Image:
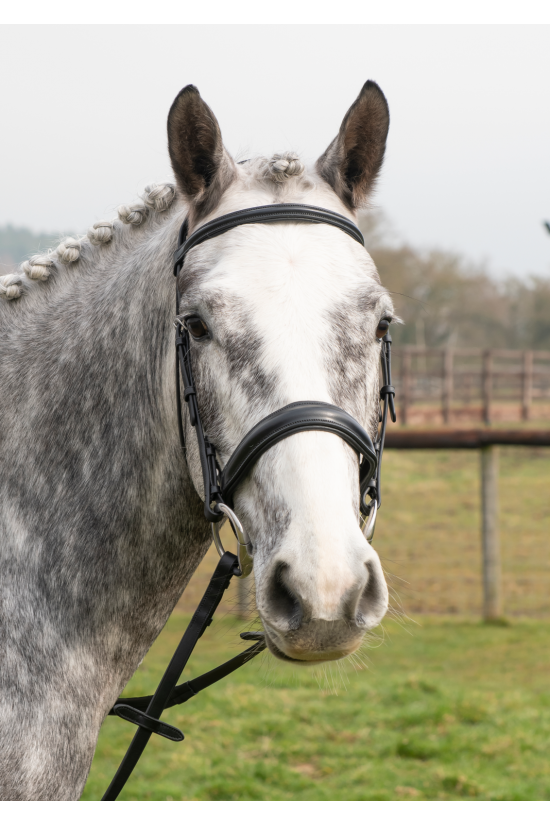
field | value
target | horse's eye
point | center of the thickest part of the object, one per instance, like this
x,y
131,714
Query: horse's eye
x,y
196,326
383,327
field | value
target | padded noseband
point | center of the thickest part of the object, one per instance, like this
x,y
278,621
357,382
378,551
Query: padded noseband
x,y
299,417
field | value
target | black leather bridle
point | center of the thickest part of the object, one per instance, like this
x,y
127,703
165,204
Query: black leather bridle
x,y
220,485
301,416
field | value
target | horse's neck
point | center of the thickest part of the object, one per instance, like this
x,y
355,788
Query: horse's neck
x,y
100,527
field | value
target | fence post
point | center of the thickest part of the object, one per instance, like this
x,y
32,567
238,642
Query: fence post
x,y
447,383
527,385
405,383
487,385
492,608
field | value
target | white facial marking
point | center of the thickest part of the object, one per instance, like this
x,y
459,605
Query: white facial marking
x,y
291,302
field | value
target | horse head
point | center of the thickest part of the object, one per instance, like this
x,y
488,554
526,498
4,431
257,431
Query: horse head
x,y
280,313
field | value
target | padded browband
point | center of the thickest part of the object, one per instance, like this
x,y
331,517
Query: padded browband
x,y
267,214
301,416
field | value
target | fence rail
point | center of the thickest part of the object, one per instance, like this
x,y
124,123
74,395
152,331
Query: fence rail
x,y
464,439
451,384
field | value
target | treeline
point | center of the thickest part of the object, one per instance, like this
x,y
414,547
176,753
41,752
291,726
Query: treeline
x,y
445,301
18,243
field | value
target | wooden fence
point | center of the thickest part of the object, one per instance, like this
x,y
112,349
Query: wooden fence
x,y
446,386
487,441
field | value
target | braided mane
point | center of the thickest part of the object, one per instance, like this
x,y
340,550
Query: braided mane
x,y
39,268
280,169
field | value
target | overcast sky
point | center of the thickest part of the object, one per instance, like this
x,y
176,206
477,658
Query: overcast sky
x,y
84,108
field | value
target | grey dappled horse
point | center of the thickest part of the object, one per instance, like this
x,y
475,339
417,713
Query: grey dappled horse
x,y
101,518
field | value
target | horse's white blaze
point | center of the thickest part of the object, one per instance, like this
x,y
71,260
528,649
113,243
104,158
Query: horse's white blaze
x,y
324,546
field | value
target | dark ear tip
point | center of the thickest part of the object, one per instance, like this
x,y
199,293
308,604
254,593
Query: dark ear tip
x,y
371,86
372,95
187,90
182,99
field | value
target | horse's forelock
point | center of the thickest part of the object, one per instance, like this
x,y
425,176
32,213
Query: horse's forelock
x,y
280,172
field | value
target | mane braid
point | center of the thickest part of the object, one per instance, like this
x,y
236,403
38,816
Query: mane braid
x,y
39,268
280,168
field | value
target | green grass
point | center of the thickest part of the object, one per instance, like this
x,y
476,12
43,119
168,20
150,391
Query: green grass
x,y
447,709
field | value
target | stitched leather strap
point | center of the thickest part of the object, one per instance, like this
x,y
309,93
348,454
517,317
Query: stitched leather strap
x,y
301,416
207,453
266,214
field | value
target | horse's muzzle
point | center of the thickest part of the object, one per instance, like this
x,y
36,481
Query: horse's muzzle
x,y
305,623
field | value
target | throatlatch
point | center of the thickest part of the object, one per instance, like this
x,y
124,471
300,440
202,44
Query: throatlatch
x,y
220,485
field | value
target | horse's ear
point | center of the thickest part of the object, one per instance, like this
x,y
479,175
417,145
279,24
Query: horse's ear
x,y
354,158
202,167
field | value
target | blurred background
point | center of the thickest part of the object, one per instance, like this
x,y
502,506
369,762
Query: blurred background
x,y
458,228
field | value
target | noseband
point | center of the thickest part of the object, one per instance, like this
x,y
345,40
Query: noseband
x,y
301,416
220,486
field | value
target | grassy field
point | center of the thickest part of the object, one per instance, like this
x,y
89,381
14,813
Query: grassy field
x,y
446,708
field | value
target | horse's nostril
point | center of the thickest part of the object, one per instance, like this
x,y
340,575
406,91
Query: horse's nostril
x,y
284,606
373,603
